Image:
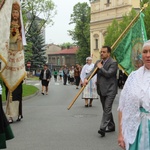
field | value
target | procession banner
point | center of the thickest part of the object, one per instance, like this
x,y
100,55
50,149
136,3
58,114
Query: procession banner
x,y
128,53
5,19
13,73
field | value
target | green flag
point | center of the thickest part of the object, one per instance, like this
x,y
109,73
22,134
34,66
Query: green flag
x,y
128,53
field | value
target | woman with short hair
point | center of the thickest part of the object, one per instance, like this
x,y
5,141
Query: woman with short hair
x,y
90,91
45,77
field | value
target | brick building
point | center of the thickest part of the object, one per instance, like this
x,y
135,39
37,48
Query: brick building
x,y
63,57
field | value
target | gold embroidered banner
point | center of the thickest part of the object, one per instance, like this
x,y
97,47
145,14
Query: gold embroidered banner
x,y
5,19
12,54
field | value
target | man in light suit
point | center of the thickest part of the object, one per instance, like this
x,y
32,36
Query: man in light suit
x,y
106,88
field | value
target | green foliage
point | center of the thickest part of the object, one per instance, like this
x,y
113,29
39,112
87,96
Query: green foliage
x,y
143,2
81,33
66,45
37,9
147,16
28,51
116,28
111,35
36,45
40,12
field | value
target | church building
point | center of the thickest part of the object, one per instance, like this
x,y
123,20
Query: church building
x,y
102,14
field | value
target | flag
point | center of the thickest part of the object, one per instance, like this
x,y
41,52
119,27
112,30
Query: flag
x,y
11,44
5,19
128,52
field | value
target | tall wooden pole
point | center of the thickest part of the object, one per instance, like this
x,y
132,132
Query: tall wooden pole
x,y
112,47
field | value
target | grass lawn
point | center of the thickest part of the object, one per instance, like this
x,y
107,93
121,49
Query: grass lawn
x,y
34,78
27,91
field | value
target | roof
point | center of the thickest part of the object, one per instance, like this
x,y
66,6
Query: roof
x,y
72,50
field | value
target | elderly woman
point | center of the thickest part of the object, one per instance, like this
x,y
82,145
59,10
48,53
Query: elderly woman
x,y
5,130
90,91
134,107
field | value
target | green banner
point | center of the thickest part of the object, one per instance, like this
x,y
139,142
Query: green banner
x,y
128,53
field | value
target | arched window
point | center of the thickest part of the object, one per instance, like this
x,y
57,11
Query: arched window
x,y
96,38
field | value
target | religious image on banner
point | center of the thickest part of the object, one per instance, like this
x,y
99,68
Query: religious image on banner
x,y
14,72
136,57
15,43
128,52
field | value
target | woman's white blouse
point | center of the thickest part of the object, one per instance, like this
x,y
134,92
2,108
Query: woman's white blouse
x,y
135,94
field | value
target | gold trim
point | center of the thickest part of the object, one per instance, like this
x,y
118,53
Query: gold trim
x,y
16,85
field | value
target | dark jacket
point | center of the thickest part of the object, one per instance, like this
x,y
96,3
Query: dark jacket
x,y
107,78
48,74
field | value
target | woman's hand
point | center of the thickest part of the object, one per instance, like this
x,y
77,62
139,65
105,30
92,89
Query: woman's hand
x,y
121,142
19,38
85,82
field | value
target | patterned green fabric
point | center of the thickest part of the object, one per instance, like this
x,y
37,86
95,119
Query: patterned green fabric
x,y
145,142
129,50
5,136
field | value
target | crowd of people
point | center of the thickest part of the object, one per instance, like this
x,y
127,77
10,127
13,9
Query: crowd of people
x,y
67,75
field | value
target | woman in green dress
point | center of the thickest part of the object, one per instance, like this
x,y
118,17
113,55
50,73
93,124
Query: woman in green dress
x,y
5,130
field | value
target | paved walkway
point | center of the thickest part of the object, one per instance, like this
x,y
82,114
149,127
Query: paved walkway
x,y
48,125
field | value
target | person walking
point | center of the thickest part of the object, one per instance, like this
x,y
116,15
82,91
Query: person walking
x,y
90,90
134,107
65,74
71,75
5,129
55,74
106,88
77,72
45,77
60,74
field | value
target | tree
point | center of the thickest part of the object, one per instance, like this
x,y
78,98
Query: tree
x,y
147,16
111,36
81,33
36,44
116,28
36,9
39,12
66,45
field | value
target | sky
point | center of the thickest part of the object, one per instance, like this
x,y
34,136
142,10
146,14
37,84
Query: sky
x,y
57,33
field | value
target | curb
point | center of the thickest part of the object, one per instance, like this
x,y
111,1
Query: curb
x,y
27,97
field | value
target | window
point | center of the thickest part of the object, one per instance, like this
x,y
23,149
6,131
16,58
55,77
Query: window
x,y
108,1
58,61
96,43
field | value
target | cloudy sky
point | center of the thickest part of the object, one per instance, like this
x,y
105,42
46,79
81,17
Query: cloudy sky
x,y
58,34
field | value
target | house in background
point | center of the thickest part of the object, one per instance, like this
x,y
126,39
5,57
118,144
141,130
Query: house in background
x,y
102,14
51,48
63,57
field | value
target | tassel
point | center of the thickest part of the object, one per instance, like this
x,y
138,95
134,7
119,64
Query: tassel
x,y
10,96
